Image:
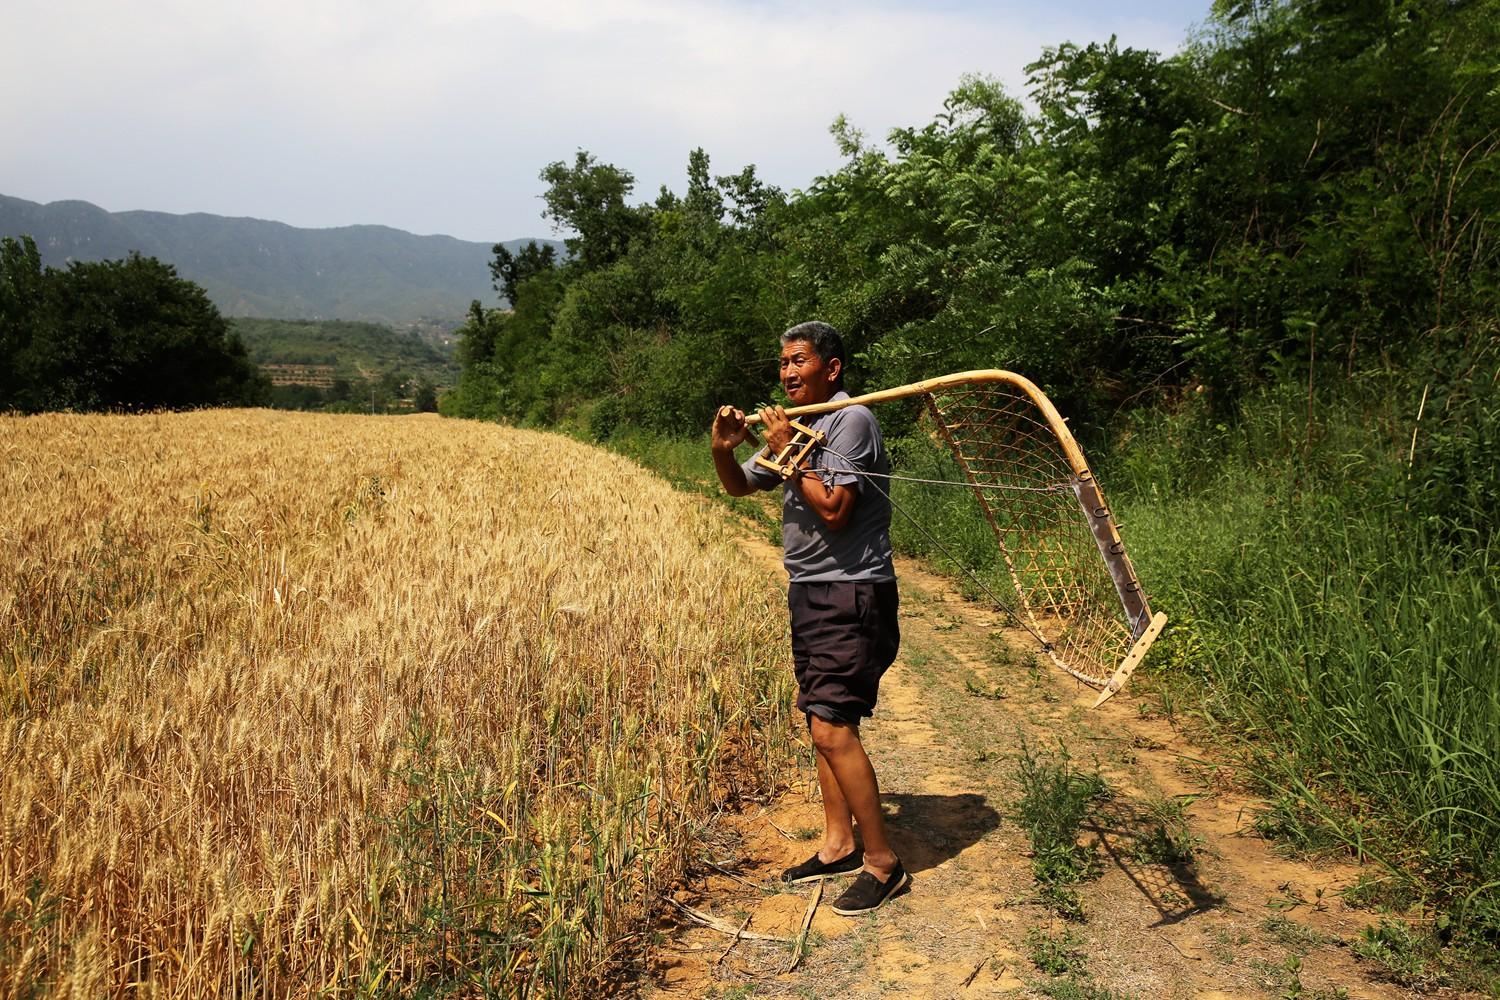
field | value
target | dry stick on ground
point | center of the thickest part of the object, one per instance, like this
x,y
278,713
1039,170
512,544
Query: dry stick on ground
x,y
970,978
812,907
761,886
779,830
723,926
730,946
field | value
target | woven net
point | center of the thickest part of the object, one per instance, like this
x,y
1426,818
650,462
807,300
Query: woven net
x,y
1073,585
1072,582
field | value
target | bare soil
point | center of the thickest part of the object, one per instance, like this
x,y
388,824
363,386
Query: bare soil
x,y
953,710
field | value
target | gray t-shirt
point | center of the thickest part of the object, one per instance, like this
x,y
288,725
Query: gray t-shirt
x,y
862,550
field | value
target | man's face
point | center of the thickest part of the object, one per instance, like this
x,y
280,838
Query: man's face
x,y
804,375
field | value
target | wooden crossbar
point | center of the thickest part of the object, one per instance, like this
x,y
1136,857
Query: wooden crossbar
x,y
1133,658
785,463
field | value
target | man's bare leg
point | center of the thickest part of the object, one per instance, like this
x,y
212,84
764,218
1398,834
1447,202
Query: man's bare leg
x,y
838,821
841,752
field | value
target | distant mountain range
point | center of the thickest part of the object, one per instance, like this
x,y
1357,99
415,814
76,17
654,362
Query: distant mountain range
x,y
250,267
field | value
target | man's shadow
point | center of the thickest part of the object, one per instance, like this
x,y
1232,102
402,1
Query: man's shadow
x,y
926,830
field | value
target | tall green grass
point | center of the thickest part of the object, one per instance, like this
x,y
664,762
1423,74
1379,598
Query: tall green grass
x,y
1348,637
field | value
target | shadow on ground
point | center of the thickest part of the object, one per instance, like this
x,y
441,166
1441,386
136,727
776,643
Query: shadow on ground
x,y
1162,868
927,830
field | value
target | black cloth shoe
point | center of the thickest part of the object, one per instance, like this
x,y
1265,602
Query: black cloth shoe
x,y
814,868
868,892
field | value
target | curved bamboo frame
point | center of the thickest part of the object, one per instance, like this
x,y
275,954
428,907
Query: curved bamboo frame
x,y
1142,625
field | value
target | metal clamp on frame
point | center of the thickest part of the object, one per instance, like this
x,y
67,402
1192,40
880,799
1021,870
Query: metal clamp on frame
x,y
786,463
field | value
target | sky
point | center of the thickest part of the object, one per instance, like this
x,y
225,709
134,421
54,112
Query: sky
x,y
436,117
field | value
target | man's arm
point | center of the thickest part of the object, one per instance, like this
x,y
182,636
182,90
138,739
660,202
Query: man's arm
x,y
834,505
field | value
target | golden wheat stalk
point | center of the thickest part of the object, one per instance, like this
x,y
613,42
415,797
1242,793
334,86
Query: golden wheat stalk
x,y
296,704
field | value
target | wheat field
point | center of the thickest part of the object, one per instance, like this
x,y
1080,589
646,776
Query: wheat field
x,y
305,705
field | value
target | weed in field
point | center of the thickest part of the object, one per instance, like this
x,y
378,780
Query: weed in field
x,y
1056,954
1064,959
1077,989
28,916
1289,820
992,692
1002,653
1426,956
1287,978
1293,936
1167,840
1060,897
916,658
1408,956
1055,798
1382,892
740,991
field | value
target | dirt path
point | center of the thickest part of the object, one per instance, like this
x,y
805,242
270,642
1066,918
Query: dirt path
x,y
952,713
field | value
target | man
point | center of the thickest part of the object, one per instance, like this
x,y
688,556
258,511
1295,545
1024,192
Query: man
x,y
842,599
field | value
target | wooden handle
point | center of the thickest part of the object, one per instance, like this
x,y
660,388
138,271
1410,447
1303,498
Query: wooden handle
x,y
915,389
927,386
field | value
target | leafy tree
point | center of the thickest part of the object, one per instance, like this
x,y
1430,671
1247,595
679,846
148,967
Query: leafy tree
x,y
22,315
424,396
121,335
509,271
588,198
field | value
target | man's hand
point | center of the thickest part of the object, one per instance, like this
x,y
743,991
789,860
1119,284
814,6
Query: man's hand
x,y
728,432
729,429
778,428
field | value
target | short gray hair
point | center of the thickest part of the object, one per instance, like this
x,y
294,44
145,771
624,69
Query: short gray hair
x,y
825,340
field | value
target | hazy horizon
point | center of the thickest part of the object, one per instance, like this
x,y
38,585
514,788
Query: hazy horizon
x,y
438,120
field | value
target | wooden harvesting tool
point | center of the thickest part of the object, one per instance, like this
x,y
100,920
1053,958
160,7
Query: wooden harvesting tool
x,y
787,461
1073,585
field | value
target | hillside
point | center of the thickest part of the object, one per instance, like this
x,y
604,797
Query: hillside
x,y
251,267
351,349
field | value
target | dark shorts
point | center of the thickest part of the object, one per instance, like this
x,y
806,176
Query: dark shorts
x,y
844,636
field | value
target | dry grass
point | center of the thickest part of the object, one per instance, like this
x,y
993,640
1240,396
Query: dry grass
x,y
296,705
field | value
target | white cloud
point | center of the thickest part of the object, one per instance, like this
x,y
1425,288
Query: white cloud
x,y
438,116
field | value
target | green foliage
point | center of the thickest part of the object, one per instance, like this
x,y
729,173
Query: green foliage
x,y
644,324
114,335
1299,191
1055,954
1409,957
1064,958
1167,839
1352,643
352,349
1055,799
1453,460
511,270
588,198
23,289
1077,989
